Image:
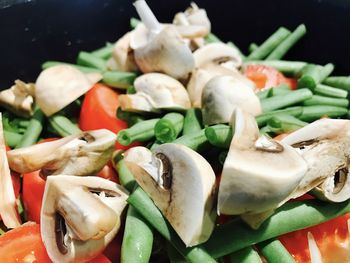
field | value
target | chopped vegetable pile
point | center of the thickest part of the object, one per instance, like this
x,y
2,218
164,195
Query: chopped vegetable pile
x,y
171,145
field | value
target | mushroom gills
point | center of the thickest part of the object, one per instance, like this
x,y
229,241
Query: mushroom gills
x,y
182,185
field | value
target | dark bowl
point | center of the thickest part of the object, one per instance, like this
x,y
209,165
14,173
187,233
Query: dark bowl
x,y
38,30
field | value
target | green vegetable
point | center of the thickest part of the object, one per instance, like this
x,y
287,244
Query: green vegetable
x,y
280,90
89,60
63,126
289,99
289,68
264,117
269,44
235,235
134,22
169,127
312,113
321,100
104,52
274,252
219,135
34,129
193,121
340,82
330,91
119,79
283,123
126,178
142,132
263,94
197,141
252,47
287,43
49,64
12,139
130,117
144,205
246,255
211,38
312,74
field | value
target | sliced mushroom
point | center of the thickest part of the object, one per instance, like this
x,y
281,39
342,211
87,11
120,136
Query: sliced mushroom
x,y
160,48
19,98
259,173
80,216
122,56
181,183
82,154
8,206
60,85
155,92
222,94
325,145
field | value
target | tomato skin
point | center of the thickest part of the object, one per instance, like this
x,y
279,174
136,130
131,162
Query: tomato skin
x,y
108,172
100,259
267,77
22,244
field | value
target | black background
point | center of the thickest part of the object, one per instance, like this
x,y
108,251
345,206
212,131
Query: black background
x,y
42,30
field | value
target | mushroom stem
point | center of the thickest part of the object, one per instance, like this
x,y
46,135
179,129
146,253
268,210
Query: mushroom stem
x,y
147,16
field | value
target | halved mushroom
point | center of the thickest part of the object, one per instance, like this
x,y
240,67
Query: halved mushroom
x,y
222,94
80,216
325,146
154,92
60,85
81,154
19,98
159,48
8,206
122,56
259,173
181,183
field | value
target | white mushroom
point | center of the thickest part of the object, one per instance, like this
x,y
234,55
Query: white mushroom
x,y
19,98
259,173
60,85
80,216
8,206
325,145
222,94
159,48
81,154
154,92
122,56
181,183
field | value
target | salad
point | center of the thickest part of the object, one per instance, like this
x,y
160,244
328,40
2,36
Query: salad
x,y
170,145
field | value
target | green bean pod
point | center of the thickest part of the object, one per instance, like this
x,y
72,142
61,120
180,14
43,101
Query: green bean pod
x,y
169,127
12,139
312,113
104,52
193,121
196,141
329,91
274,252
340,82
252,47
246,255
264,117
118,79
285,124
219,135
88,60
289,68
312,74
63,126
321,100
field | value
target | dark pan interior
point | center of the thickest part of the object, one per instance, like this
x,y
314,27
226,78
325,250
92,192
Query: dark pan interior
x,y
40,30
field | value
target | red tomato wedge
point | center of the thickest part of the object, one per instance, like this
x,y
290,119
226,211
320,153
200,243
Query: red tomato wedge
x,y
108,172
23,244
267,77
100,259
332,238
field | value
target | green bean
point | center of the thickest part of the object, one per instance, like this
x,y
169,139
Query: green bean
x,y
285,123
287,43
274,251
264,117
155,145
134,22
269,44
142,132
193,121
312,113
263,94
126,178
246,255
169,127
130,117
219,135
12,138
63,126
321,100
88,60
144,205
211,38
137,238
196,141
222,157
119,79
252,47
289,99
235,235
289,68
280,90
49,64
312,74
131,90
329,91
104,52
340,82
34,129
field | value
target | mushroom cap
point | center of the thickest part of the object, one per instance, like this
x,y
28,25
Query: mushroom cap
x,y
216,54
80,216
256,177
166,52
154,92
222,94
81,154
181,183
60,85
